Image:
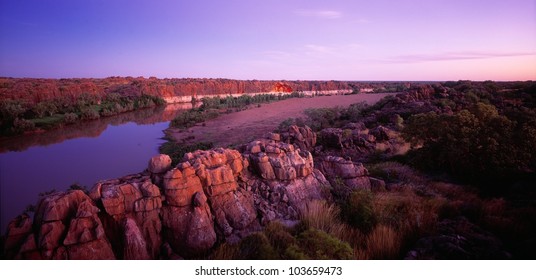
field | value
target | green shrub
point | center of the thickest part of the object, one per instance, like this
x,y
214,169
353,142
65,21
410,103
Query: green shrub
x,y
22,125
257,247
176,151
191,117
89,113
318,245
477,144
70,118
358,210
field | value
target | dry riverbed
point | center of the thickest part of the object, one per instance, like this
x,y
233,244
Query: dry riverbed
x,y
244,126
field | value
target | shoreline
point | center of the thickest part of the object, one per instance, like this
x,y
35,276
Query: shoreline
x,y
241,127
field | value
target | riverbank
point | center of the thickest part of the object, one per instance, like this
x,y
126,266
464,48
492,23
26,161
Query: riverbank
x,y
241,127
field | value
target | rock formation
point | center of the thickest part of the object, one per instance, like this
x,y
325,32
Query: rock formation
x,y
286,178
65,226
359,142
38,90
214,196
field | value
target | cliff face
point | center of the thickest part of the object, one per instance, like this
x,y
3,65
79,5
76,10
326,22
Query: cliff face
x,y
38,90
214,196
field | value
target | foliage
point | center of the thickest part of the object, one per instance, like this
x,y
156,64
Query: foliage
x,y
44,109
192,117
63,110
70,118
89,113
22,125
176,151
491,145
318,245
358,210
323,117
257,247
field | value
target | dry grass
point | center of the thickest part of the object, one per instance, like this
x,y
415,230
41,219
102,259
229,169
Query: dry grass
x,y
381,243
226,251
324,216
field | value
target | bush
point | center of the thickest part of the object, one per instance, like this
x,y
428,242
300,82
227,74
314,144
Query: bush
x,y
70,118
11,110
176,151
492,146
257,247
323,117
318,245
358,210
44,109
88,113
22,125
191,117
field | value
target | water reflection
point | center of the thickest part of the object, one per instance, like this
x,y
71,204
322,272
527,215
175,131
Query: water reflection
x,y
84,153
91,128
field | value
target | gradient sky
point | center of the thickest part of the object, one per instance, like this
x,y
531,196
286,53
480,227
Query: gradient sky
x,y
270,39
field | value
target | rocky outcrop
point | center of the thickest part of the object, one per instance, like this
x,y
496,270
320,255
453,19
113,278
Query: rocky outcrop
x,y
219,195
65,226
359,142
204,201
286,178
301,137
131,211
353,175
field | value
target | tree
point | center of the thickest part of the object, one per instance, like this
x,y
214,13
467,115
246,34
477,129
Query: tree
x,y
477,144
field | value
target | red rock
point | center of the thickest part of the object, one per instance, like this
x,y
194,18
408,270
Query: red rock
x,y
134,242
189,230
99,249
159,164
57,206
50,235
82,230
235,209
148,189
17,232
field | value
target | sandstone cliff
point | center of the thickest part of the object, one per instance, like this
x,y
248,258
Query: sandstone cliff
x,y
68,90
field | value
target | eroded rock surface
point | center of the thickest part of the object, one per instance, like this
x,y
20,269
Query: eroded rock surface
x,y
219,195
65,226
285,181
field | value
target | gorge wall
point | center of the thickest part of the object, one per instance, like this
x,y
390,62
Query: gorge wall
x,y
172,90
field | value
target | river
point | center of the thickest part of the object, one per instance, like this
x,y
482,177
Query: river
x,y
116,146
82,153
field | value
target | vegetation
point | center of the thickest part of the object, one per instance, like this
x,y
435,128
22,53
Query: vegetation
x,y
492,145
176,151
19,117
214,106
470,171
278,242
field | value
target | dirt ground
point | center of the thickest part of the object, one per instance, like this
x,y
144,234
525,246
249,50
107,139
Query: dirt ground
x,y
244,126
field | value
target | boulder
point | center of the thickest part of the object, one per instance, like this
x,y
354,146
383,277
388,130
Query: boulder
x,y
302,137
352,174
159,164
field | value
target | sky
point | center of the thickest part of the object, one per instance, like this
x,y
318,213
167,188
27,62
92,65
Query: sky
x,y
270,39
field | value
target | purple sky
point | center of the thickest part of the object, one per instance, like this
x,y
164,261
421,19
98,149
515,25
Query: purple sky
x,y
271,39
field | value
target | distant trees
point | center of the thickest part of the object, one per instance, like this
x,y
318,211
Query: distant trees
x,y
476,143
17,116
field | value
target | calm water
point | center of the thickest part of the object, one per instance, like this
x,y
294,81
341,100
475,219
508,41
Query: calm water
x,y
84,154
